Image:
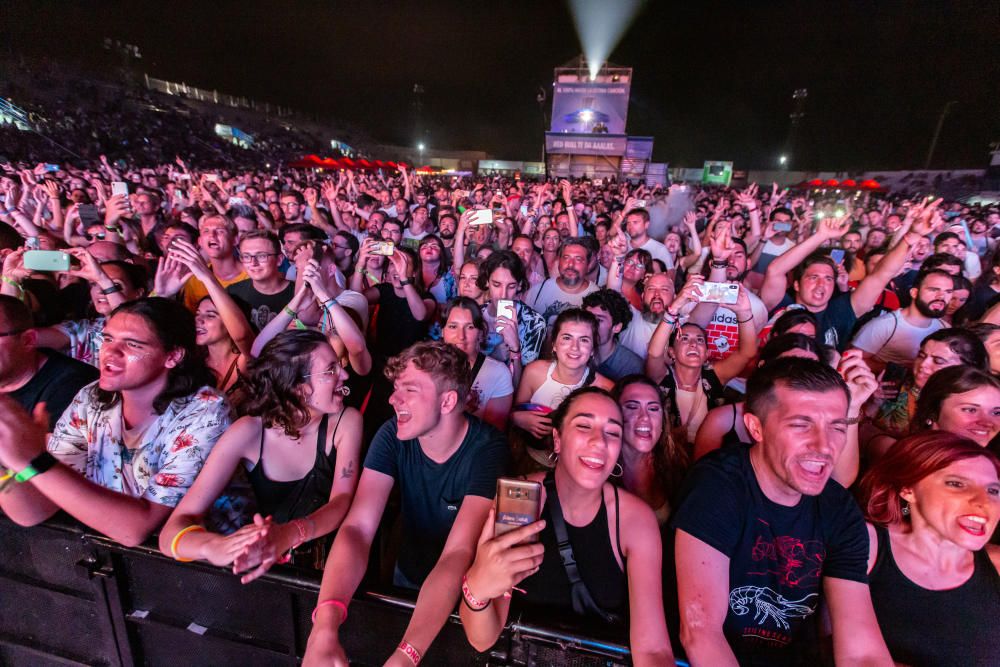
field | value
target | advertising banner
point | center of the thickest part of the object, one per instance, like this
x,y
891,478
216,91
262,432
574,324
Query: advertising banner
x,y
590,108
558,143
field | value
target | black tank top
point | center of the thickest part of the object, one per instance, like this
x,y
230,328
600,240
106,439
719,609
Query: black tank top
x,y
301,497
595,557
732,436
922,628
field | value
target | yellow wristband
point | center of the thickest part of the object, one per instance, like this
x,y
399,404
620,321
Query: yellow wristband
x,y
177,538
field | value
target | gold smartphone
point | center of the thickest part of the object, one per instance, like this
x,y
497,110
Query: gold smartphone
x,y
518,503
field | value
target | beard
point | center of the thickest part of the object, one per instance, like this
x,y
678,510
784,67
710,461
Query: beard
x,y
931,309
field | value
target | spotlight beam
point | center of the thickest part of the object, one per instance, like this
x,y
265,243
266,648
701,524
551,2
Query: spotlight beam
x,y
600,25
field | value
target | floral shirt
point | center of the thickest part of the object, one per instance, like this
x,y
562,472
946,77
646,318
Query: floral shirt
x,y
84,338
174,448
530,331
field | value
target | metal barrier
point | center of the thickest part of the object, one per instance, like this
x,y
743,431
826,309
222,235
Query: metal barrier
x,y
73,598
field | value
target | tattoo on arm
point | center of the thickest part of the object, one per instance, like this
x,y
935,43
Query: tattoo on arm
x,y
347,471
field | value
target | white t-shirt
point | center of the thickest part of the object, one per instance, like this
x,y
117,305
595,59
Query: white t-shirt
x,y
893,340
492,381
658,251
357,302
637,334
548,299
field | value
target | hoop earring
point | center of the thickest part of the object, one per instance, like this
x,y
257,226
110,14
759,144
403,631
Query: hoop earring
x,y
553,457
620,471
906,509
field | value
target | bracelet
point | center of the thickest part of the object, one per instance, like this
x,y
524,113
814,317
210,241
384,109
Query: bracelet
x,y
719,265
409,651
666,312
332,602
470,600
739,321
403,282
300,526
332,301
854,421
291,313
41,463
177,538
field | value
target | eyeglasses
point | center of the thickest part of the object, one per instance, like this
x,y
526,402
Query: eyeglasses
x,y
12,333
258,258
635,264
325,376
95,237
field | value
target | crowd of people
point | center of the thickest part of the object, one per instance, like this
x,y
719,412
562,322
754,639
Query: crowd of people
x,y
766,437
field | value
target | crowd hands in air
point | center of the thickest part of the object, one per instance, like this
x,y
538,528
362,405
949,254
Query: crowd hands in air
x,y
248,363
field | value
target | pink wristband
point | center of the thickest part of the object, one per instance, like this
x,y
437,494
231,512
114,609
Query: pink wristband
x,y
328,603
409,651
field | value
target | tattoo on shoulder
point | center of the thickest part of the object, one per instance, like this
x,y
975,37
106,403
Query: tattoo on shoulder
x,y
347,471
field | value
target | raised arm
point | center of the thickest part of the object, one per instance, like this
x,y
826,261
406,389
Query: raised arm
x,y
421,308
656,353
776,277
732,365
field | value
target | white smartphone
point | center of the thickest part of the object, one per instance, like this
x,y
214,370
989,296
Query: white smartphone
x,y
727,293
119,188
483,216
505,308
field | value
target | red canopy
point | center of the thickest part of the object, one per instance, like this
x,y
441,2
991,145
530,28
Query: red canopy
x,y
316,162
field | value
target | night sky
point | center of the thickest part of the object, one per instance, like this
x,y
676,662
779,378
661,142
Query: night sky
x,y
711,81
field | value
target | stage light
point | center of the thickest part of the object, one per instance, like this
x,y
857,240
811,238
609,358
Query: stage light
x,y
587,116
600,25
783,159
420,147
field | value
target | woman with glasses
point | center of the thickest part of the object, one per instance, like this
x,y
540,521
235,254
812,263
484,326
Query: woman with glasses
x,y
629,269
303,492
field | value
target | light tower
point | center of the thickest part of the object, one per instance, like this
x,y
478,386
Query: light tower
x,y
798,113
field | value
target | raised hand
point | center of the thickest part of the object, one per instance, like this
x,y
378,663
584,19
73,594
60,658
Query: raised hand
x,y
861,382
170,277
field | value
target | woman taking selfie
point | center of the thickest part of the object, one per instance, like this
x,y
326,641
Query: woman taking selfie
x,y
932,503
613,536
301,448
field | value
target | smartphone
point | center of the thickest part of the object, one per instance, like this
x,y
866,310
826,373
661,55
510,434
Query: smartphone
x,y
51,168
505,308
183,177
641,203
524,210
720,292
384,248
88,214
46,260
214,178
782,226
481,216
119,188
518,503
837,255
31,243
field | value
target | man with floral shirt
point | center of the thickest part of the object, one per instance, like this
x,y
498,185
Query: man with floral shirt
x,y
130,445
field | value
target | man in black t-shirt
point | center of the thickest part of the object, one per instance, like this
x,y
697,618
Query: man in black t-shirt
x,y
762,534
30,375
446,464
266,291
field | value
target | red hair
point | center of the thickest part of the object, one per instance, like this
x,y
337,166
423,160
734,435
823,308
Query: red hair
x,y
908,461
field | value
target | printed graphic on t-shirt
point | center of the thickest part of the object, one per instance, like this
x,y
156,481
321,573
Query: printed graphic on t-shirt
x,y
788,570
722,333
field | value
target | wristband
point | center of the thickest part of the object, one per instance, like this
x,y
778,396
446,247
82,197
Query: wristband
x,y
403,282
291,313
409,651
719,265
111,290
470,600
177,538
854,421
331,603
41,463
739,321
332,301
667,312
300,526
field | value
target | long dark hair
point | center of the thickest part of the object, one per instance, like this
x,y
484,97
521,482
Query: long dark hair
x,y
670,460
274,378
944,383
173,325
